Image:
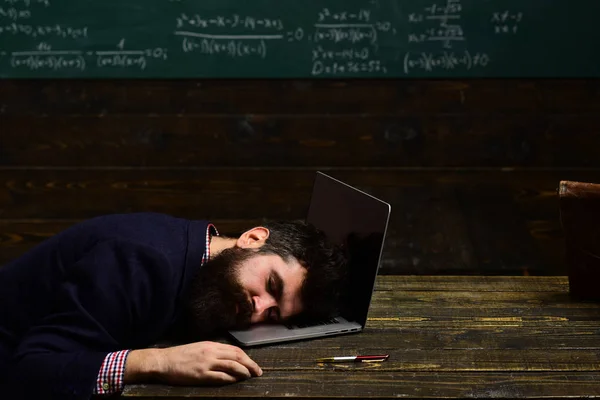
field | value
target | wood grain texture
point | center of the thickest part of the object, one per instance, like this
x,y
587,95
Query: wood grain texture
x,y
448,337
275,193
470,166
244,96
388,385
479,284
445,222
419,140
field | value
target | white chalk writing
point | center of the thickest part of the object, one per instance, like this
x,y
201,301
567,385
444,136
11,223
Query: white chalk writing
x,y
347,42
506,22
44,31
446,61
14,13
374,38
441,24
232,48
232,22
27,3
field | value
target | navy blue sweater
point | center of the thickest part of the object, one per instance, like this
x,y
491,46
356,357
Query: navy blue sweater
x,y
110,283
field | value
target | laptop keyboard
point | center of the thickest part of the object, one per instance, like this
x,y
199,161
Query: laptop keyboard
x,y
309,324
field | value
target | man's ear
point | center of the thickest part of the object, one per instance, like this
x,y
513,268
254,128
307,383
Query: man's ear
x,y
253,238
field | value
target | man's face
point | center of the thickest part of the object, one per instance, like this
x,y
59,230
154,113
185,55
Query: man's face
x,y
238,287
272,286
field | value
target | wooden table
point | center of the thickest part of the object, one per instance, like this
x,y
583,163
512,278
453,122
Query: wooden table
x,y
448,337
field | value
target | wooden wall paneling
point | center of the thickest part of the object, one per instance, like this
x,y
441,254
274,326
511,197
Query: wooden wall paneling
x,y
425,140
240,97
470,167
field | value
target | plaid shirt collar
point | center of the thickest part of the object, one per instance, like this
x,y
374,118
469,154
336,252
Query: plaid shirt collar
x,y
211,231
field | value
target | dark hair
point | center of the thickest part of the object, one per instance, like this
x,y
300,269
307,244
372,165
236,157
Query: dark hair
x,y
326,264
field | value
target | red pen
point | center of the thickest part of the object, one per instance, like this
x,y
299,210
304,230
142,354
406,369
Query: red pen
x,y
355,358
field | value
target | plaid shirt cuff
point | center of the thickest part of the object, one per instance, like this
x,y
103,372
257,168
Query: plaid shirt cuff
x,y
110,377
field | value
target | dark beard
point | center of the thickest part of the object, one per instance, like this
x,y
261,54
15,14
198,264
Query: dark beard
x,y
214,293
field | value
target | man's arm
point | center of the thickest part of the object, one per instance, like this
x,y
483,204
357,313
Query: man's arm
x,y
195,363
105,301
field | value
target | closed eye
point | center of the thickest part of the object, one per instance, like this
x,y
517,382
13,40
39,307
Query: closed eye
x,y
275,289
275,285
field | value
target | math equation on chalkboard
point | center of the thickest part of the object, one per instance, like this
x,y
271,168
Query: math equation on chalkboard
x,y
320,39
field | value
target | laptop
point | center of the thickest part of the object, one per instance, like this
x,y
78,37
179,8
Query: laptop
x,y
357,219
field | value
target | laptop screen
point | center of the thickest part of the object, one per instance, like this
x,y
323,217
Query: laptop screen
x,y
359,221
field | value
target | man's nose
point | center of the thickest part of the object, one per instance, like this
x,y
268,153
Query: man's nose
x,y
262,303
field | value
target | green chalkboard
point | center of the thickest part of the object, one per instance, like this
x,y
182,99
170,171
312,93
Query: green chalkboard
x,y
298,38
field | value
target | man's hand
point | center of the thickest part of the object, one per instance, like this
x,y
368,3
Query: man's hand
x,y
207,362
191,364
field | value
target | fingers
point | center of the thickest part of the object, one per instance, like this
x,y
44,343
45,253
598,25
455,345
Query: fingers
x,y
207,362
232,368
236,354
219,377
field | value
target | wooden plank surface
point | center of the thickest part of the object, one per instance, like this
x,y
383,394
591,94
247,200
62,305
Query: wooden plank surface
x,y
259,96
448,337
418,140
443,221
52,192
470,166
388,385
